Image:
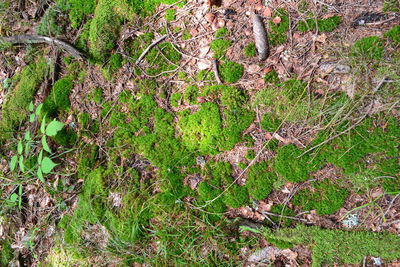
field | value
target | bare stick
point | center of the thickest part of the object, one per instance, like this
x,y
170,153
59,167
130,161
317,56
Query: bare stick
x,y
215,69
150,47
37,39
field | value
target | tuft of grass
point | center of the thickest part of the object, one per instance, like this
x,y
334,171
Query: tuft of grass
x,y
325,197
271,77
339,246
369,48
270,122
231,71
221,32
323,25
260,181
394,34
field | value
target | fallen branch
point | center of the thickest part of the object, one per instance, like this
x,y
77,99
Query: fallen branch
x,y
150,47
37,39
215,69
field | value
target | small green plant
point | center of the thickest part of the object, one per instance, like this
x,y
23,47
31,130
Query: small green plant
x,y
369,48
249,50
231,71
37,164
170,15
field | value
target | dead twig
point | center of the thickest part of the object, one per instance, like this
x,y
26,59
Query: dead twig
x,y
144,53
37,39
215,69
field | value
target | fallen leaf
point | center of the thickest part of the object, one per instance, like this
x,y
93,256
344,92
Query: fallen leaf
x,y
267,12
210,17
321,38
204,64
277,20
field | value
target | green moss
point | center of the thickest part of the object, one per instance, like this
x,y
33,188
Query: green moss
x,y
79,9
96,95
146,8
338,246
207,193
104,30
163,61
190,95
369,48
249,50
391,5
49,26
170,15
112,66
219,47
270,123
394,34
278,32
231,71
84,120
15,107
323,25
290,167
250,155
186,35
232,97
65,137
205,75
175,99
201,129
260,180
221,32
282,210
7,253
271,77
236,196
58,99
325,197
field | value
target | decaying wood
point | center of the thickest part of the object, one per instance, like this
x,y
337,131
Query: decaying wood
x,y
215,69
37,39
260,36
150,47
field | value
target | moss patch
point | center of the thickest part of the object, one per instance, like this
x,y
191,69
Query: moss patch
x,y
323,25
324,197
394,34
58,99
260,181
231,72
79,9
219,47
249,50
278,32
369,48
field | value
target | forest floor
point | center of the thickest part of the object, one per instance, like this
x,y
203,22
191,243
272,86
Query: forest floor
x,y
160,138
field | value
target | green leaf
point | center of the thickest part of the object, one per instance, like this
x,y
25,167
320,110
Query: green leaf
x,y
40,157
31,118
43,125
27,135
45,145
47,165
20,148
19,196
21,163
14,197
39,109
54,127
39,174
31,106
13,162
27,148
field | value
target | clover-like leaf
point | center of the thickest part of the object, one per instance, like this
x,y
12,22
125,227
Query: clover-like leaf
x,y
39,109
31,118
43,125
27,135
39,174
40,157
20,148
27,148
31,106
45,145
54,127
47,165
21,164
14,197
13,162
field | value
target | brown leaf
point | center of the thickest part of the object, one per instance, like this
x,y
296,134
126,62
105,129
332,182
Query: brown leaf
x,y
267,12
277,20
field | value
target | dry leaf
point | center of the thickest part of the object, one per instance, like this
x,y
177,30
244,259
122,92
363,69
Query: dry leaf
x,y
210,17
321,38
277,20
267,12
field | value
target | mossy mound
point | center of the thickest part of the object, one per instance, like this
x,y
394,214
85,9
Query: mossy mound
x,y
338,246
15,108
231,72
325,197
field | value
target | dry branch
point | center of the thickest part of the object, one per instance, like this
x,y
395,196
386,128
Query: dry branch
x,y
37,39
150,47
